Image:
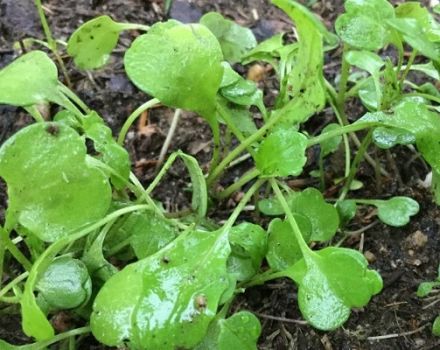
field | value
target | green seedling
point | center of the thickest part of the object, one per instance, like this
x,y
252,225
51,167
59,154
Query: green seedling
x,y
82,211
424,289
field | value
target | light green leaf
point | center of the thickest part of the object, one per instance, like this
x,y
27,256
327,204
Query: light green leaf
x,y
436,327
426,287
173,295
64,193
65,284
178,64
368,94
235,40
330,145
30,79
112,154
283,249
322,215
265,51
240,331
91,44
289,147
272,207
389,137
396,211
248,248
331,282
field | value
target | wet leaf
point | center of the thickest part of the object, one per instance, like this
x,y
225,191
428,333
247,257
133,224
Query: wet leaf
x,y
283,249
174,295
289,147
112,154
64,193
30,79
248,248
240,331
234,39
91,44
65,284
396,211
362,26
322,215
330,145
389,137
332,281
178,64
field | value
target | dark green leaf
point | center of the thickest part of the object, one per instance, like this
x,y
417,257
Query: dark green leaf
x,y
235,40
178,64
346,210
282,153
64,193
283,249
173,295
65,284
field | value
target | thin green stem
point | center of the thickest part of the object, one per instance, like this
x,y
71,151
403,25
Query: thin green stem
x,y
35,113
74,97
16,253
262,278
411,60
354,167
45,343
239,208
305,250
425,96
167,165
215,128
244,179
345,72
133,116
13,283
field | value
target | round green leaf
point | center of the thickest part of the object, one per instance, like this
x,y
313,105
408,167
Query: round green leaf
x,y
29,80
178,64
282,247
235,40
322,215
397,210
331,282
282,153
91,44
63,192
65,284
173,295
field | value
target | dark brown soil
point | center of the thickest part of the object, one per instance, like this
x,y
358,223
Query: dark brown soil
x,y
395,319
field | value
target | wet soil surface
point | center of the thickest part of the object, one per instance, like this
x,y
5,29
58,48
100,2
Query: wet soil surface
x,y
395,319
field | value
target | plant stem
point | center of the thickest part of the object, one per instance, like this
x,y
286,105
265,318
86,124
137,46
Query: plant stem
x,y
52,43
215,128
248,176
238,209
408,67
35,113
426,96
345,72
263,277
343,130
45,343
357,159
132,117
161,173
14,282
305,250
70,94
169,137
16,253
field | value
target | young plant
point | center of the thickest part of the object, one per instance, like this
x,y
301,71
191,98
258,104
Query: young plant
x,y
79,211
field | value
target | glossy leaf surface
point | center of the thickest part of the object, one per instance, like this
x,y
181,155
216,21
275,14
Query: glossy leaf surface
x,y
234,39
322,215
174,295
64,193
396,211
389,137
91,44
331,282
29,80
178,64
240,331
282,153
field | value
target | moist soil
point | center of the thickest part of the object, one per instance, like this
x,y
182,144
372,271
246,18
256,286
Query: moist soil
x,y
394,319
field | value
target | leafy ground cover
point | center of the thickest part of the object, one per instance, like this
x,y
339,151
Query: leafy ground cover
x,y
386,248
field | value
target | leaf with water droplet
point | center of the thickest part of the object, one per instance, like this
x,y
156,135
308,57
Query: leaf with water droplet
x,y
332,281
234,39
179,64
174,295
389,137
240,331
282,153
64,193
